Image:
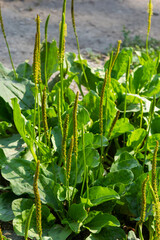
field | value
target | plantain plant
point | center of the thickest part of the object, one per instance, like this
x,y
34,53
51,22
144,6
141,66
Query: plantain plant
x,y
83,167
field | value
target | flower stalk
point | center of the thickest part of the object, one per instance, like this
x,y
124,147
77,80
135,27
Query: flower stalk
x,y
154,165
37,201
78,47
5,38
150,13
64,141
44,116
68,167
75,136
63,33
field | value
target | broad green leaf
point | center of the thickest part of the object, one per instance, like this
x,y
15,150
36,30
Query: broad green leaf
x,y
5,111
155,125
45,153
133,104
100,221
2,157
3,70
127,151
59,233
98,195
134,204
143,57
65,194
66,83
6,213
152,140
152,88
12,146
108,233
20,175
83,119
118,91
91,102
143,75
21,204
19,121
24,70
56,139
52,59
21,208
92,140
97,141
4,127
47,192
74,65
69,95
136,138
77,212
121,126
125,161
92,158
88,140
123,176
22,90
76,215
124,164
93,78
120,66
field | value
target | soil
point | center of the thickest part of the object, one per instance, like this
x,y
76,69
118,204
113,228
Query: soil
x,y
99,25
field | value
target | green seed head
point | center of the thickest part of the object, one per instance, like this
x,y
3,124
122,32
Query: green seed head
x,y
37,200
154,164
143,210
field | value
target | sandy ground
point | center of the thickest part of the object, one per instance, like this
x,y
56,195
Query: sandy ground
x,y
99,24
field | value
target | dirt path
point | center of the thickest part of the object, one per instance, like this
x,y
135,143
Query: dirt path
x,y
99,24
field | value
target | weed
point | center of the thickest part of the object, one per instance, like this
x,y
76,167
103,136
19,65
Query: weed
x,y
91,158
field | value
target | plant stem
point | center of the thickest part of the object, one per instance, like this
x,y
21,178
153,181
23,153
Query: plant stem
x,y
87,183
141,118
75,138
62,49
46,50
140,232
28,221
76,36
150,12
84,159
68,167
38,201
125,101
5,38
113,123
64,144
101,112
